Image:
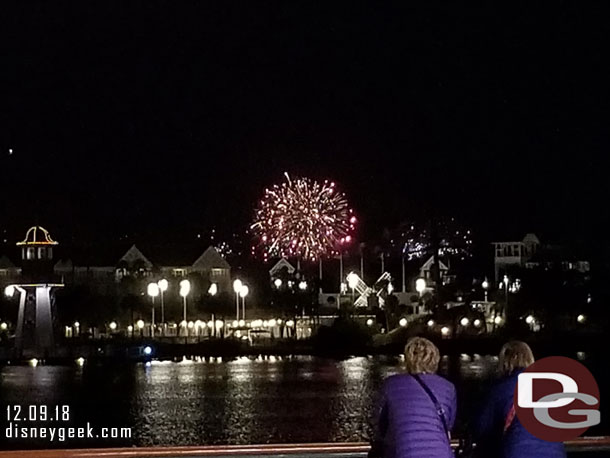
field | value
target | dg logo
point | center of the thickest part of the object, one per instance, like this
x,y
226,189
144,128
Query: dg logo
x,y
557,399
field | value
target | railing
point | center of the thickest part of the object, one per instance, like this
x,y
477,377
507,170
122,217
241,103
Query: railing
x,y
335,450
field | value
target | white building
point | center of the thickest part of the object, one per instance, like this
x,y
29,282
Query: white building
x,y
514,254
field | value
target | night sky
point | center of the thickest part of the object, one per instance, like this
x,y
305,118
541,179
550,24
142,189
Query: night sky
x,y
159,119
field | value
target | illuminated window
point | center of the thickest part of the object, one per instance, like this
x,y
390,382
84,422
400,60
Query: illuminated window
x,y
179,272
218,272
30,253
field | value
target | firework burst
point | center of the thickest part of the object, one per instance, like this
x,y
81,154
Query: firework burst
x,y
303,218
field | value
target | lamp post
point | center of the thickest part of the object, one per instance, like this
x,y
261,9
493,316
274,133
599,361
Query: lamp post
x,y
153,291
303,288
163,285
185,289
352,282
243,292
237,285
506,285
420,287
485,286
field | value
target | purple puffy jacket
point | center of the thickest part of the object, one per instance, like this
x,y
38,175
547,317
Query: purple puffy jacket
x,y
408,424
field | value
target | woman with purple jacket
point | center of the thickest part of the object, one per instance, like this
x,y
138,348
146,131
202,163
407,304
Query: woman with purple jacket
x,y
417,409
497,430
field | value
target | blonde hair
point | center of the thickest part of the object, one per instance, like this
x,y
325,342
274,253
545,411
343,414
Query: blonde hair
x,y
515,355
421,356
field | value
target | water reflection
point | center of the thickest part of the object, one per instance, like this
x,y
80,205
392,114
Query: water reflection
x,y
243,401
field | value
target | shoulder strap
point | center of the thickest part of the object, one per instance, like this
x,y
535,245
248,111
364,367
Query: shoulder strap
x,y
510,417
439,408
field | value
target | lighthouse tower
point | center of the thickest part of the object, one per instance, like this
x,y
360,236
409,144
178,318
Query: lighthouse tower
x,y
34,334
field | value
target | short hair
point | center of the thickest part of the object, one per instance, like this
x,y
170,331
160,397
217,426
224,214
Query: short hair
x,y
515,355
421,356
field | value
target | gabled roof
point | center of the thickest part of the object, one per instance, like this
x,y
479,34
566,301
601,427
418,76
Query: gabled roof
x,y
428,264
211,259
133,255
281,264
6,264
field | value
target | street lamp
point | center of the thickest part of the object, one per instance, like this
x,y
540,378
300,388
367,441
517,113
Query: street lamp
x,y
506,284
163,285
485,286
237,284
352,282
243,292
420,286
278,283
153,291
140,325
112,326
185,289
9,291
303,285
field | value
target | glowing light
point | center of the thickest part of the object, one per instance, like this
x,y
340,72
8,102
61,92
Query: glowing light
x,y
581,318
290,323
153,289
140,324
464,321
183,324
485,284
242,323
130,328
190,325
445,330
112,326
369,322
477,322
163,285
31,237
498,320
420,285
76,324
243,292
303,285
235,323
272,322
9,291
33,362
529,319
219,324
403,322
237,285
352,280
213,290
185,288
148,350
304,218
430,323
277,282
80,361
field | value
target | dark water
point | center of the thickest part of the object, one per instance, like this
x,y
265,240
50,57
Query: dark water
x,y
244,401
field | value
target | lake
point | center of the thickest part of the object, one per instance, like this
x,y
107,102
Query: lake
x,y
242,401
